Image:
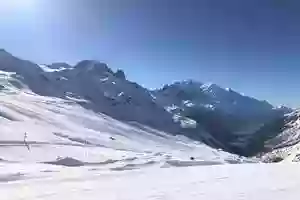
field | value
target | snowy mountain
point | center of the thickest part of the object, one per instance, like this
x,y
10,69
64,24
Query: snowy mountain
x,y
228,116
59,66
94,86
109,92
279,139
211,96
89,115
221,118
85,132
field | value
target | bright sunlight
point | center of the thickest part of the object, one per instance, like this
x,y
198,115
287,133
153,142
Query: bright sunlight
x,y
16,5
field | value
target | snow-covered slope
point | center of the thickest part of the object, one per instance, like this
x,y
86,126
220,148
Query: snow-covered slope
x,y
61,128
72,152
114,160
57,127
290,134
95,86
226,182
42,137
280,138
108,92
90,106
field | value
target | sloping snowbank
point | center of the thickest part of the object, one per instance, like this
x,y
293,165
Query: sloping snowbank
x,y
60,128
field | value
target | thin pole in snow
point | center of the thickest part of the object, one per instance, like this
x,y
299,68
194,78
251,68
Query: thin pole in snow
x,y
25,142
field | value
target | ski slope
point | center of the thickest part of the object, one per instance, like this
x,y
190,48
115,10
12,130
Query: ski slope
x,y
78,154
57,127
218,182
72,155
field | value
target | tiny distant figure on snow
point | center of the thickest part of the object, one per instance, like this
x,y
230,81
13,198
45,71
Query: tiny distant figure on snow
x,y
25,142
112,138
192,158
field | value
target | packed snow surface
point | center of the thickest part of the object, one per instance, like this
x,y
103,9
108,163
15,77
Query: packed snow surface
x,y
216,182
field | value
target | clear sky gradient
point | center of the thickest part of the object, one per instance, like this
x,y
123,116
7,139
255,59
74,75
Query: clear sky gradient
x,y
251,46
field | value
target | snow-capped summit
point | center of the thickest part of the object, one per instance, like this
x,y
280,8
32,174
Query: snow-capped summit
x,y
225,114
284,109
183,84
59,66
226,100
92,66
209,87
95,86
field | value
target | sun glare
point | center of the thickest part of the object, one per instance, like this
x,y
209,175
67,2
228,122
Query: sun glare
x,y
13,5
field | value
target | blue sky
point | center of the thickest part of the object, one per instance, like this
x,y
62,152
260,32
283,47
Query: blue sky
x,y
250,46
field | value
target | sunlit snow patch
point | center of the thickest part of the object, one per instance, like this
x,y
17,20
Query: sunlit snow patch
x,y
45,68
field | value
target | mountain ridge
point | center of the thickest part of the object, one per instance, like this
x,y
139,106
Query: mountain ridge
x,y
219,117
